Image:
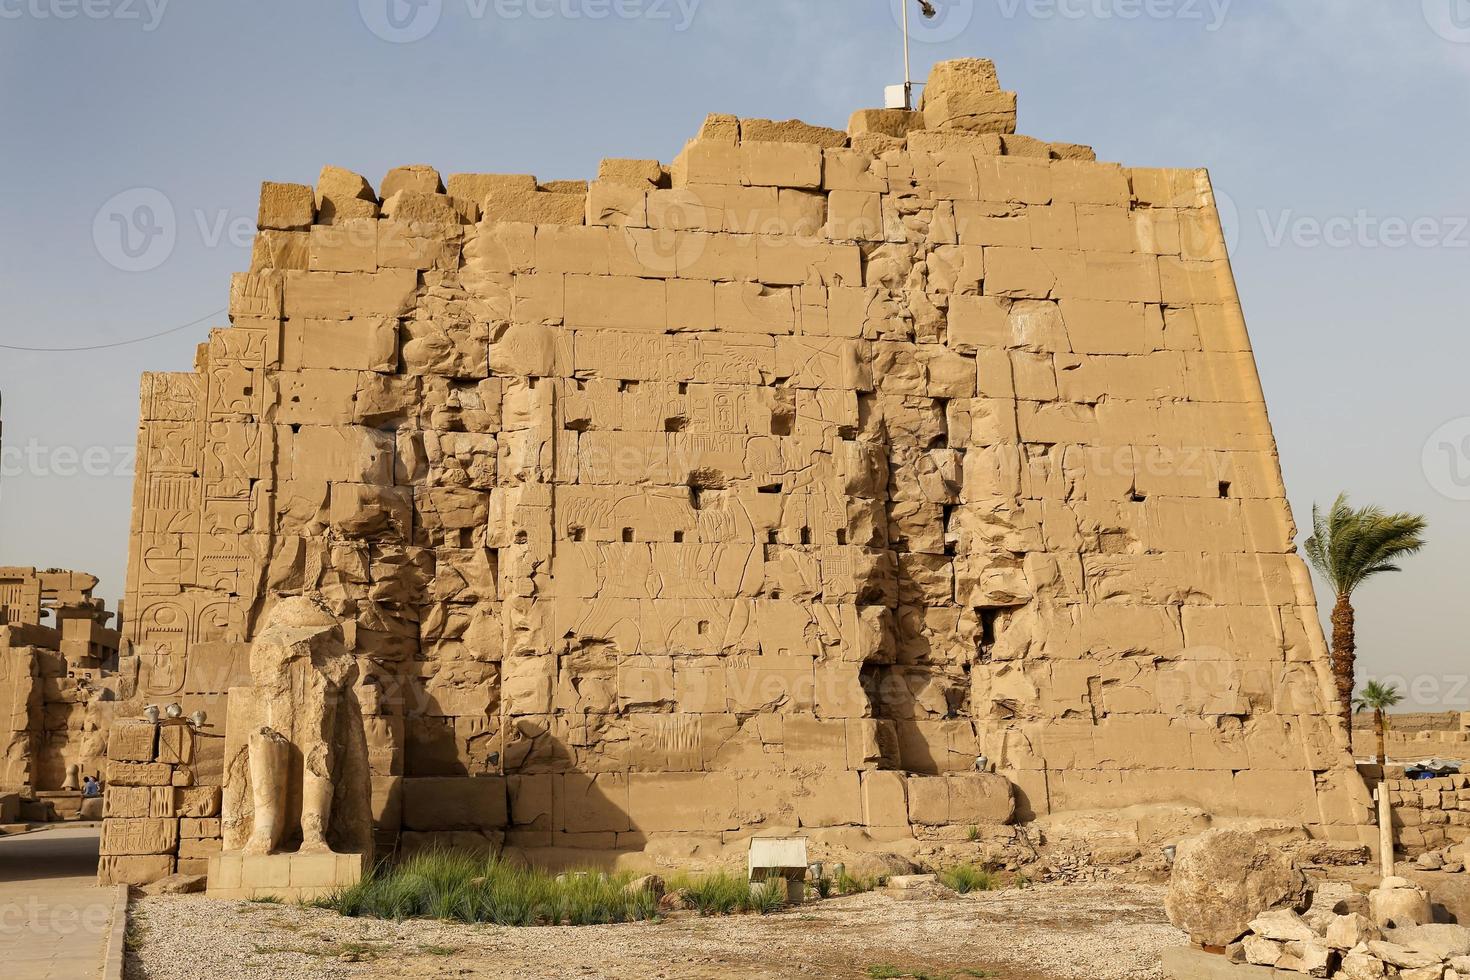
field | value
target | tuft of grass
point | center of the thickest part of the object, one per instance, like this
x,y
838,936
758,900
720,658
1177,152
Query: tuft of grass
x,y
849,884
358,949
883,971
266,900
431,950
459,887
768,897
968,878
973,834
718,893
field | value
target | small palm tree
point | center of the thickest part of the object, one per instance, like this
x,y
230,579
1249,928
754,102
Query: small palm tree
x,y
1378,698
1348,546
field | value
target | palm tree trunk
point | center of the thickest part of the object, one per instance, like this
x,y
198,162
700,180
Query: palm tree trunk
x,y
1344,657
1380,722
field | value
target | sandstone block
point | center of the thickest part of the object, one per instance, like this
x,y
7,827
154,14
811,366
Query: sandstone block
x,y
348,245
140,836
196,828
790,131
419,178
477,187
134,869
720,128
887,122
139,774
175,745
342,195
196,801
1282,925
1362,966
276,250
535,207
433,804
1260,951
1311,957
1346,932
132,740
617,204
286,207
965,94
797,165
416,207
1403,957
126,801
643,174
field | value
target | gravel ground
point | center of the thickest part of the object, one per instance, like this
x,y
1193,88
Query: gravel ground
x,y
1087,932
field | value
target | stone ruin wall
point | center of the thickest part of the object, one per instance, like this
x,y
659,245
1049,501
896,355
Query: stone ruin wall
x,y
765,489
1415,736
57,687
161,812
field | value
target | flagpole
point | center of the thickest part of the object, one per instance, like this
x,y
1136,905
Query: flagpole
x,y
908,75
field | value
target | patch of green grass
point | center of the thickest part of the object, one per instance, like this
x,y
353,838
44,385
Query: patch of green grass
x,y
973,834
459,887
264,949
717,893
768,897
432,950
359,949
968,878
883,971
266,900
849,884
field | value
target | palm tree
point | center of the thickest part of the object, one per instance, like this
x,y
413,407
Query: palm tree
x,y
1348,546
1379,698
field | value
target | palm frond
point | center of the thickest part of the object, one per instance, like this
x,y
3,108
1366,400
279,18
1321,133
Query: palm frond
x,y
1376,696
1351,544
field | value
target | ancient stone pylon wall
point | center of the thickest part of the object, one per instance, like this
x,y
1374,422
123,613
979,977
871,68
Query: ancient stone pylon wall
x,y
770,488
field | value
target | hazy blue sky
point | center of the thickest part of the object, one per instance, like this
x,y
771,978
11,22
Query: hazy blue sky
x,y
1336,129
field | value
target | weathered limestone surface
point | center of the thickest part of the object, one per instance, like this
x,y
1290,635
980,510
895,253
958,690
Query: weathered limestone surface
x,y
767,489
1224,879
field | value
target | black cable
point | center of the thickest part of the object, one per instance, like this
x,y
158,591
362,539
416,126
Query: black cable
x,y
120,343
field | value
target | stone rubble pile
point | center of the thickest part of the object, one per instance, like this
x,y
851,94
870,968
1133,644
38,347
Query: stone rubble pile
x,y
1394,935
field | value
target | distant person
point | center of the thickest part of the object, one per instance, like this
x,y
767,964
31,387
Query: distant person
x,y
90,787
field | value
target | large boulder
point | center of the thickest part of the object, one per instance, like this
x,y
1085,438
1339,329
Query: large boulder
x,y
1223,879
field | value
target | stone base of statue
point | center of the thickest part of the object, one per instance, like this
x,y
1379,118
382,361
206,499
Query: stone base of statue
x,y
290,877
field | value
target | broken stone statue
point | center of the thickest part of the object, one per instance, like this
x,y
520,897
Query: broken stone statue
x,y
304,759
296,770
